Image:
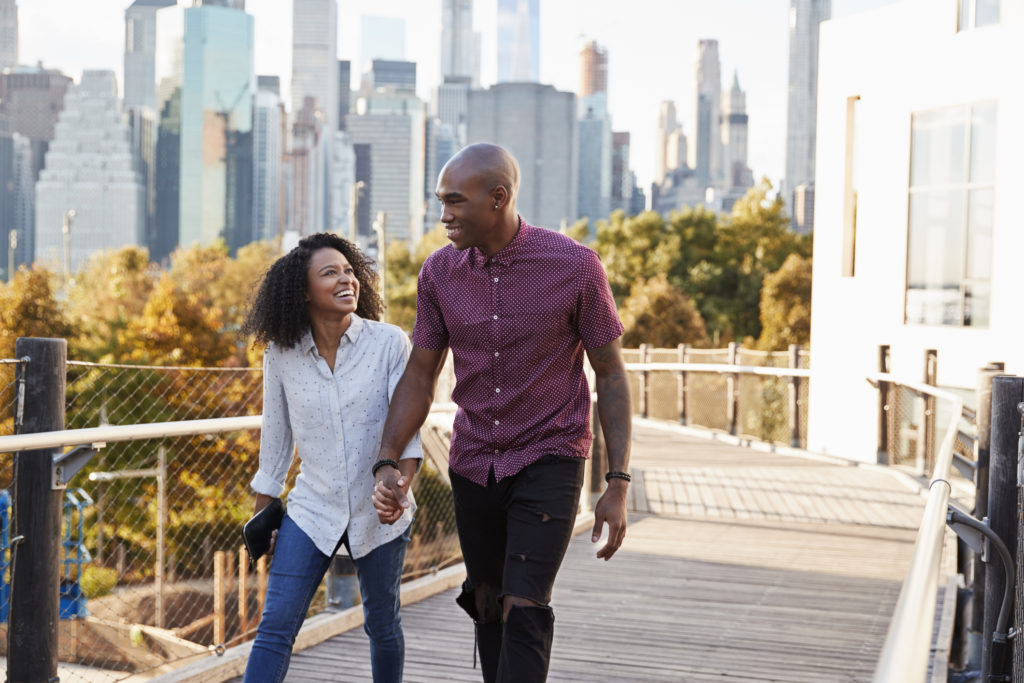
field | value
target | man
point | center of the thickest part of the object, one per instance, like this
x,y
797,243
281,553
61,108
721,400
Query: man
x,y
518,306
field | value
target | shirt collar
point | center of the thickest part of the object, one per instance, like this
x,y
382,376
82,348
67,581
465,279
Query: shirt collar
x,y
355,328
507,255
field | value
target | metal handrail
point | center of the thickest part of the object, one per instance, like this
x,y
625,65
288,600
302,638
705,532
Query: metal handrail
x,y
113,433
904,656
719,368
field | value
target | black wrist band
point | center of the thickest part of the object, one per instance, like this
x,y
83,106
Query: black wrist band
x,y
386,462
618,475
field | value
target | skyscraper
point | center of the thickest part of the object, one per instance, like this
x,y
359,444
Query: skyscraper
x,y
89,169
537,124
734,137
17,195
344,91
8,33
451,103
706,148
518,41
31,99
315,57
396,74
460,45
268,128
315,79
391,125
669,144
308,167
140,53
622,177
215,178
593,69
595,134
805,17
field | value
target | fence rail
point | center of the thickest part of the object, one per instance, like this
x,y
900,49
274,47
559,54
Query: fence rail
x,y
905,653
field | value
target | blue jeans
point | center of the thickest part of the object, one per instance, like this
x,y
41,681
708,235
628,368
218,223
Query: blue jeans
x,y
295,574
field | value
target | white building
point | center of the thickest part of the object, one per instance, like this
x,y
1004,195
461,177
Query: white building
x,y
917,231
8,33
89,170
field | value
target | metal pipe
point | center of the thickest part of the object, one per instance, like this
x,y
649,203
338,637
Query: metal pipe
x,y
904,655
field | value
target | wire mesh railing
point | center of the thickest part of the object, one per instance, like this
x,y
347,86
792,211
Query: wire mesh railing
x,y
698,387
153,569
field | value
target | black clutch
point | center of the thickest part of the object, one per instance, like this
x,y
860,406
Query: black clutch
x,y
257,532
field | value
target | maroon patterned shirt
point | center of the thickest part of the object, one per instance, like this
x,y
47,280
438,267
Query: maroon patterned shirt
x,y
517,324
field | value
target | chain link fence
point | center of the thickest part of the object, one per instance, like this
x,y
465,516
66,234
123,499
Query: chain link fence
x,y
153,569
699,398
914,425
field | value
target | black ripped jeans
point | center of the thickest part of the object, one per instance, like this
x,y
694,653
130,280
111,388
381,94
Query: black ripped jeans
x,y
514,534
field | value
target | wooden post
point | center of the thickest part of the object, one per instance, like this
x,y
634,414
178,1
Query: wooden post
x,y
645,384
732,391
219,564
926,428
681,355
598,457
36,511
794,398
243,585
882,453
1007,392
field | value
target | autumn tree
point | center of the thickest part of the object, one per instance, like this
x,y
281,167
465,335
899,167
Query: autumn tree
x,y
786,305
29,308
659,314
108,294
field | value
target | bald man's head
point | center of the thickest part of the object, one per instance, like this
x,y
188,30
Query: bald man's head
x,y
491,164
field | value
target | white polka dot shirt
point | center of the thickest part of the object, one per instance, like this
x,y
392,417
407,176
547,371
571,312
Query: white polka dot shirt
x,y
336,420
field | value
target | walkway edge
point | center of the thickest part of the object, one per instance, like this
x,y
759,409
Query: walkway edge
x,y
205,668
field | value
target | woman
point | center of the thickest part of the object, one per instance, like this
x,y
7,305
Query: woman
x,y
328,374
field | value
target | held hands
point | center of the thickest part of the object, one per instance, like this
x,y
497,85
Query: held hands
x,y
389,494
611,508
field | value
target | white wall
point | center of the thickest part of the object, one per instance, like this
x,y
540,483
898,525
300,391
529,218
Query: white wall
x,y
902,59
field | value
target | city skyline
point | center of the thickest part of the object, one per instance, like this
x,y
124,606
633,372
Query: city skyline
x,y
753,41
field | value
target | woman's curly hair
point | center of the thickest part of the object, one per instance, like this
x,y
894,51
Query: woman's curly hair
x,y
278,314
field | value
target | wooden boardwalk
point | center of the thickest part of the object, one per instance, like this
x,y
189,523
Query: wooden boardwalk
x,y
745,566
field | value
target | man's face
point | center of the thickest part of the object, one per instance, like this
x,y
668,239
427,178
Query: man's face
x,y
467,207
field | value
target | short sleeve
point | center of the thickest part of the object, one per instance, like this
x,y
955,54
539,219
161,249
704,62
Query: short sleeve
x,y
429,332
597,320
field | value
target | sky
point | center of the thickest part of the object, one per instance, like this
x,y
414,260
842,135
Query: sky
x,y
652,49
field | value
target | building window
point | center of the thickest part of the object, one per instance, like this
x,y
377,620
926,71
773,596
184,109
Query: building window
x,y
977,13
850,186
952,196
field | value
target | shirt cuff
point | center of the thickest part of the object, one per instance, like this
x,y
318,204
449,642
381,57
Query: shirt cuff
x,y
266,484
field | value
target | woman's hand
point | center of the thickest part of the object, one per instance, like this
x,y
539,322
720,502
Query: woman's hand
x,y
389,494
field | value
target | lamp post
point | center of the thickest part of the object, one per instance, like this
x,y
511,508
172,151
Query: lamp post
x,y
380,227
353,211
65,229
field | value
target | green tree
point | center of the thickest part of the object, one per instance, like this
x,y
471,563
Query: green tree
x,y
658,313
786,305
403,269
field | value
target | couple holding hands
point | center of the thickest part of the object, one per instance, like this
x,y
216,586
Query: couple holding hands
x,y
518,306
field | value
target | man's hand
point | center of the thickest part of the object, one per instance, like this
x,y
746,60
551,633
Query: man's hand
x,y
611,508
389,494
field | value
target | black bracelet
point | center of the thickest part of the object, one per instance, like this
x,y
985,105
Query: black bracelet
x,y
618,475
385,462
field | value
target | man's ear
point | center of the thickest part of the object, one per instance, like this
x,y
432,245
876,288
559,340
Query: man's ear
x,y
500,196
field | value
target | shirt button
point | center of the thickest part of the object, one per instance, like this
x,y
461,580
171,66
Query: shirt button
x,y
497,422
495,317
495,354
495,279
495,450
497,390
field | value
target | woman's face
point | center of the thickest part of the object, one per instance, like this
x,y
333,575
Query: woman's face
x,y
331,285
